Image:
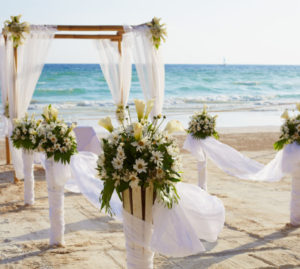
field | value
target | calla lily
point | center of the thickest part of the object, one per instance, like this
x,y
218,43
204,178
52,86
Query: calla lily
x,y
106,123
174,126
138,130
46,112
53,112
139,107
150,105
298,106
285,115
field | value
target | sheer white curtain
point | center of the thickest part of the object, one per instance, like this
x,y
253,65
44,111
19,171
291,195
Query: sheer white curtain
x,y
4,81
149,66
21,82
116,67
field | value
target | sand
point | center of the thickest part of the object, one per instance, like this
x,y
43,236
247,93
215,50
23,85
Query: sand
x,y
256,232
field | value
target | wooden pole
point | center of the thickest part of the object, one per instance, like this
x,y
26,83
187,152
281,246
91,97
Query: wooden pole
x,y
16,180
90,28
119,34
7,151
80,36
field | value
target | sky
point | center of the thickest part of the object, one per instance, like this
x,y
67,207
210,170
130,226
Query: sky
x,y
199,31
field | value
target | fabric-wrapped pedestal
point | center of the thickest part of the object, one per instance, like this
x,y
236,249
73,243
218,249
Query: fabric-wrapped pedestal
x,y
202,174
137,220
28,158
56,177
295,198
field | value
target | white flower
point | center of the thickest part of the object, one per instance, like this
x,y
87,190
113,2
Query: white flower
x,y
101,160
174,126
139,107
18,132
56,146
116,176
63,149
31,131
140,166
53,139
117,163
134,180
106,123
285,115
121,154
140,145
117,183
138,130
157,158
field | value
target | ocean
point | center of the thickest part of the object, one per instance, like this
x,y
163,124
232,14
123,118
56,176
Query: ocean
x,y
241,95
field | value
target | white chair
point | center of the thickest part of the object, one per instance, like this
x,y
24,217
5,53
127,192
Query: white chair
x,y
87,139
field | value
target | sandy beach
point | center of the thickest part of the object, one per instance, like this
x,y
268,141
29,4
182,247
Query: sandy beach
x,y
256,233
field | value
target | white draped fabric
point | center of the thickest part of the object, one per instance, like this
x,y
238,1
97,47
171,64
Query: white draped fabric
x,y
236,164
56,176
149,66
197,216
116,67
3,82
295,197
28,160
202,174
20,83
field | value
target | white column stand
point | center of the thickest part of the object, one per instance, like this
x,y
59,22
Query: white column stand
x,y
137,224
28,158
295,198
202,173
56,205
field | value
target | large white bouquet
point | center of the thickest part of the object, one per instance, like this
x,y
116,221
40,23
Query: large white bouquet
x,y
25,133
137,154
203,125
290,130
58,138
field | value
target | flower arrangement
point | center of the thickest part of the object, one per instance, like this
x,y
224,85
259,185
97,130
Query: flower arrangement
x,y
58,139
6,110
25,133
290,130
203,125
16,29
158,31
137,154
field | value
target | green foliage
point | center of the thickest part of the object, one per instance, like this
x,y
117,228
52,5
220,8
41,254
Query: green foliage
x,y
290,133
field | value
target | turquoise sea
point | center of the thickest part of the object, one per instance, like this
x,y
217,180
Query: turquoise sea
x,y
242,95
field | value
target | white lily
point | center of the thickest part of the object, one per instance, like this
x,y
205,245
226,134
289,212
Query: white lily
x,y
150,105
285,115
138,130
106,123
174,126
139,107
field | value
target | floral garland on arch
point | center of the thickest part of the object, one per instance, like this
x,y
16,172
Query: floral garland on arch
x,y
158,31
137,154
25,133
203,125
16,29
58,138
290,130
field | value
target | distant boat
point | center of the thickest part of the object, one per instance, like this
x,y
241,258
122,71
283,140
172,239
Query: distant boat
x,y
224,61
